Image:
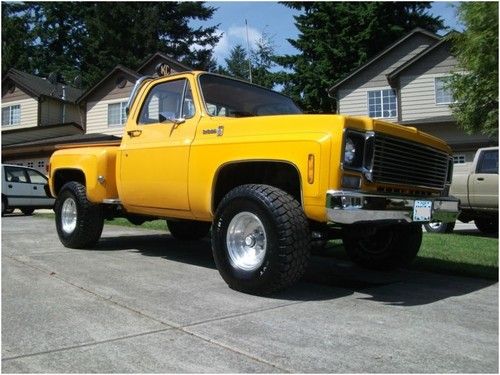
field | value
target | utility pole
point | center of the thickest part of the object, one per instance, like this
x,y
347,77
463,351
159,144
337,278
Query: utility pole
x,y
248,52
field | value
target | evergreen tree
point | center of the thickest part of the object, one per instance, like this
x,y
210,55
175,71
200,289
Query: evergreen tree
x,y
335,38
475,87
90,38
237,63
262,58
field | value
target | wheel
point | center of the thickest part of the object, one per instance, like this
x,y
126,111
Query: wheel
x,y
487,225
260,239
27,211
79,222
188,230
388,247
4,206
439,227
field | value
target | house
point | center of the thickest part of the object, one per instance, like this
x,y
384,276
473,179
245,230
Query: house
x,y
38,114
34,108
405,83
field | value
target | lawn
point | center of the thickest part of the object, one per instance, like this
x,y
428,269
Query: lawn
x,y
456,254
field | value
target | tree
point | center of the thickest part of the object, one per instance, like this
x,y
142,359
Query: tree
x,y
237,63
262,58
475,86
335,38
90,38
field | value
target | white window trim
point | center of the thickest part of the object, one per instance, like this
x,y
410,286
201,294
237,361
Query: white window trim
x,y
122,104
10,123
435,91
371,89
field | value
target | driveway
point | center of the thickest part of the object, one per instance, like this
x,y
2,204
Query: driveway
x,y
143,302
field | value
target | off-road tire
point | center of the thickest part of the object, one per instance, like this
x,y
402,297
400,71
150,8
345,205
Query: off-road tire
x,y
89,217
487,225
188,230
27,211
439,227
287,239
390,247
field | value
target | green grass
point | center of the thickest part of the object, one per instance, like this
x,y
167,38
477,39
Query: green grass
x,y
456,254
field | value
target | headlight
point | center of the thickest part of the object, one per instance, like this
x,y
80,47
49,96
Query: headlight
x,y
354,146
349,151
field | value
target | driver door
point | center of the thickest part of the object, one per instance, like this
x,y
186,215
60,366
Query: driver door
x,y
155,148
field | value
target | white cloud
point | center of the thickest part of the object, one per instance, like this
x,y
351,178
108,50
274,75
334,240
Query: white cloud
x,y
233,36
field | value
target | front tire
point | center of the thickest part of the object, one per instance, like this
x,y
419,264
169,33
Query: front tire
x,y
79,222
188,230
260,239
388,247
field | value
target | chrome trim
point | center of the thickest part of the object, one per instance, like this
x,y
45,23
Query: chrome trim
x,y
135,90
350,207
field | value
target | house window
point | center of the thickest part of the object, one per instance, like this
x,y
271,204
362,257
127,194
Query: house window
x,y
443,94
116,114
382,103
11,115
459,159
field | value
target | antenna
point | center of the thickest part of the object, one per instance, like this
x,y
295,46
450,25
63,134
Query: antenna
x,y
248,51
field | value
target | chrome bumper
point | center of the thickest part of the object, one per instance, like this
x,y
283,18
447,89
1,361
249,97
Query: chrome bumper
x,y
348,207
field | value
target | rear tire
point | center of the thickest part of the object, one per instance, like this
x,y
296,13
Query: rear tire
x,y
260,239
487,225
79,222
188,230
388,247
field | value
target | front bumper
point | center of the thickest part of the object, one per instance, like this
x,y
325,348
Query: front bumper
x,y
349,207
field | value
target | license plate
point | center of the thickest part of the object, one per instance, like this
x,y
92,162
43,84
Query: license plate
x,y
422,211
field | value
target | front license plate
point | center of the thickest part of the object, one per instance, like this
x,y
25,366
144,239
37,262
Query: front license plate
x,y
422,211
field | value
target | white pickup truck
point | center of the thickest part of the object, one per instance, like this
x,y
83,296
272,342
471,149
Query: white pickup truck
x,y
476,185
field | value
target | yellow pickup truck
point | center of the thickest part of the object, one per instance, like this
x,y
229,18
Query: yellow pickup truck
x,y
211,153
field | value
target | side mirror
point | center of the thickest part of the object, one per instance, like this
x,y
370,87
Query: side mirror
x,y
170,117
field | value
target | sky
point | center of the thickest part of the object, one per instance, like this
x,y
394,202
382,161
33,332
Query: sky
x,y
276,21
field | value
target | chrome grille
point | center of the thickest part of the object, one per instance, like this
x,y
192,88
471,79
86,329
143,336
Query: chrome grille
x,y
398,161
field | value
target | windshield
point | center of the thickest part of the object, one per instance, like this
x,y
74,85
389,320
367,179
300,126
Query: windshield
x,y
231,98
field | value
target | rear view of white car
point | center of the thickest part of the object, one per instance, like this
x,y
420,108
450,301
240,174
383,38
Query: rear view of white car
x,y
23,188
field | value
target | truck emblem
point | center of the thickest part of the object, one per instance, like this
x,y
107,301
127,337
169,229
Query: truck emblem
x,y
219,131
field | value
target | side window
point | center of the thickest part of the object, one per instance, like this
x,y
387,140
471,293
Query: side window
x,y
167,101
36,177
14,174
488,162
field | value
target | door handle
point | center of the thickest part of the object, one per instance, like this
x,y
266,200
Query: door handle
x,y
35,188
10,186
134,133
480,178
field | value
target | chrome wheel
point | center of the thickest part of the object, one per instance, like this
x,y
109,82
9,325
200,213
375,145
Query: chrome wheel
x,y
435,224
68,215
246,241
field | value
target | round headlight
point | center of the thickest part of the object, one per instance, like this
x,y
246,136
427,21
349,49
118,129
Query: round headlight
x,y
349,151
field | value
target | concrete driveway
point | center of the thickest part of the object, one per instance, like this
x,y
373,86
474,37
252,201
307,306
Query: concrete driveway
x,y
143,302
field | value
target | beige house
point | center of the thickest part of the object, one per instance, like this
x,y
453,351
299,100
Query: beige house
x,y
405,83
37,115
34,108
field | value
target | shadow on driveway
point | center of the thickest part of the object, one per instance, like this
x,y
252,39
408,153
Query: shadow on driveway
x,y
327,276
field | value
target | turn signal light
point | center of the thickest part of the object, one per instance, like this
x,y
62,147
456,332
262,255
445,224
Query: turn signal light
x,y
310,169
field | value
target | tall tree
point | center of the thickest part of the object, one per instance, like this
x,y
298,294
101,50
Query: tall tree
x,y
92,37
237,63
337,37
262,58
475,87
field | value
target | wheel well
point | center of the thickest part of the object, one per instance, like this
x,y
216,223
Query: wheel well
x,y
66,175
282,175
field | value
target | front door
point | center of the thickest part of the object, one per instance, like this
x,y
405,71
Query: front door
x,y
155,149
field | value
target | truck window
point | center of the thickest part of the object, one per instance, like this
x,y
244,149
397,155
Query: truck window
x,y
488,162
167,101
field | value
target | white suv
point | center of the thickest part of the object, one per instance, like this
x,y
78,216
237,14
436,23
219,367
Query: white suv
x,y
23,188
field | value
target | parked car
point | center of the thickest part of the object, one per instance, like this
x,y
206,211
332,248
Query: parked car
x,y
23,188
476,185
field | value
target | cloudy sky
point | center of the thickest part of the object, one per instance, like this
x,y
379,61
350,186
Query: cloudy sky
x,y
276,21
